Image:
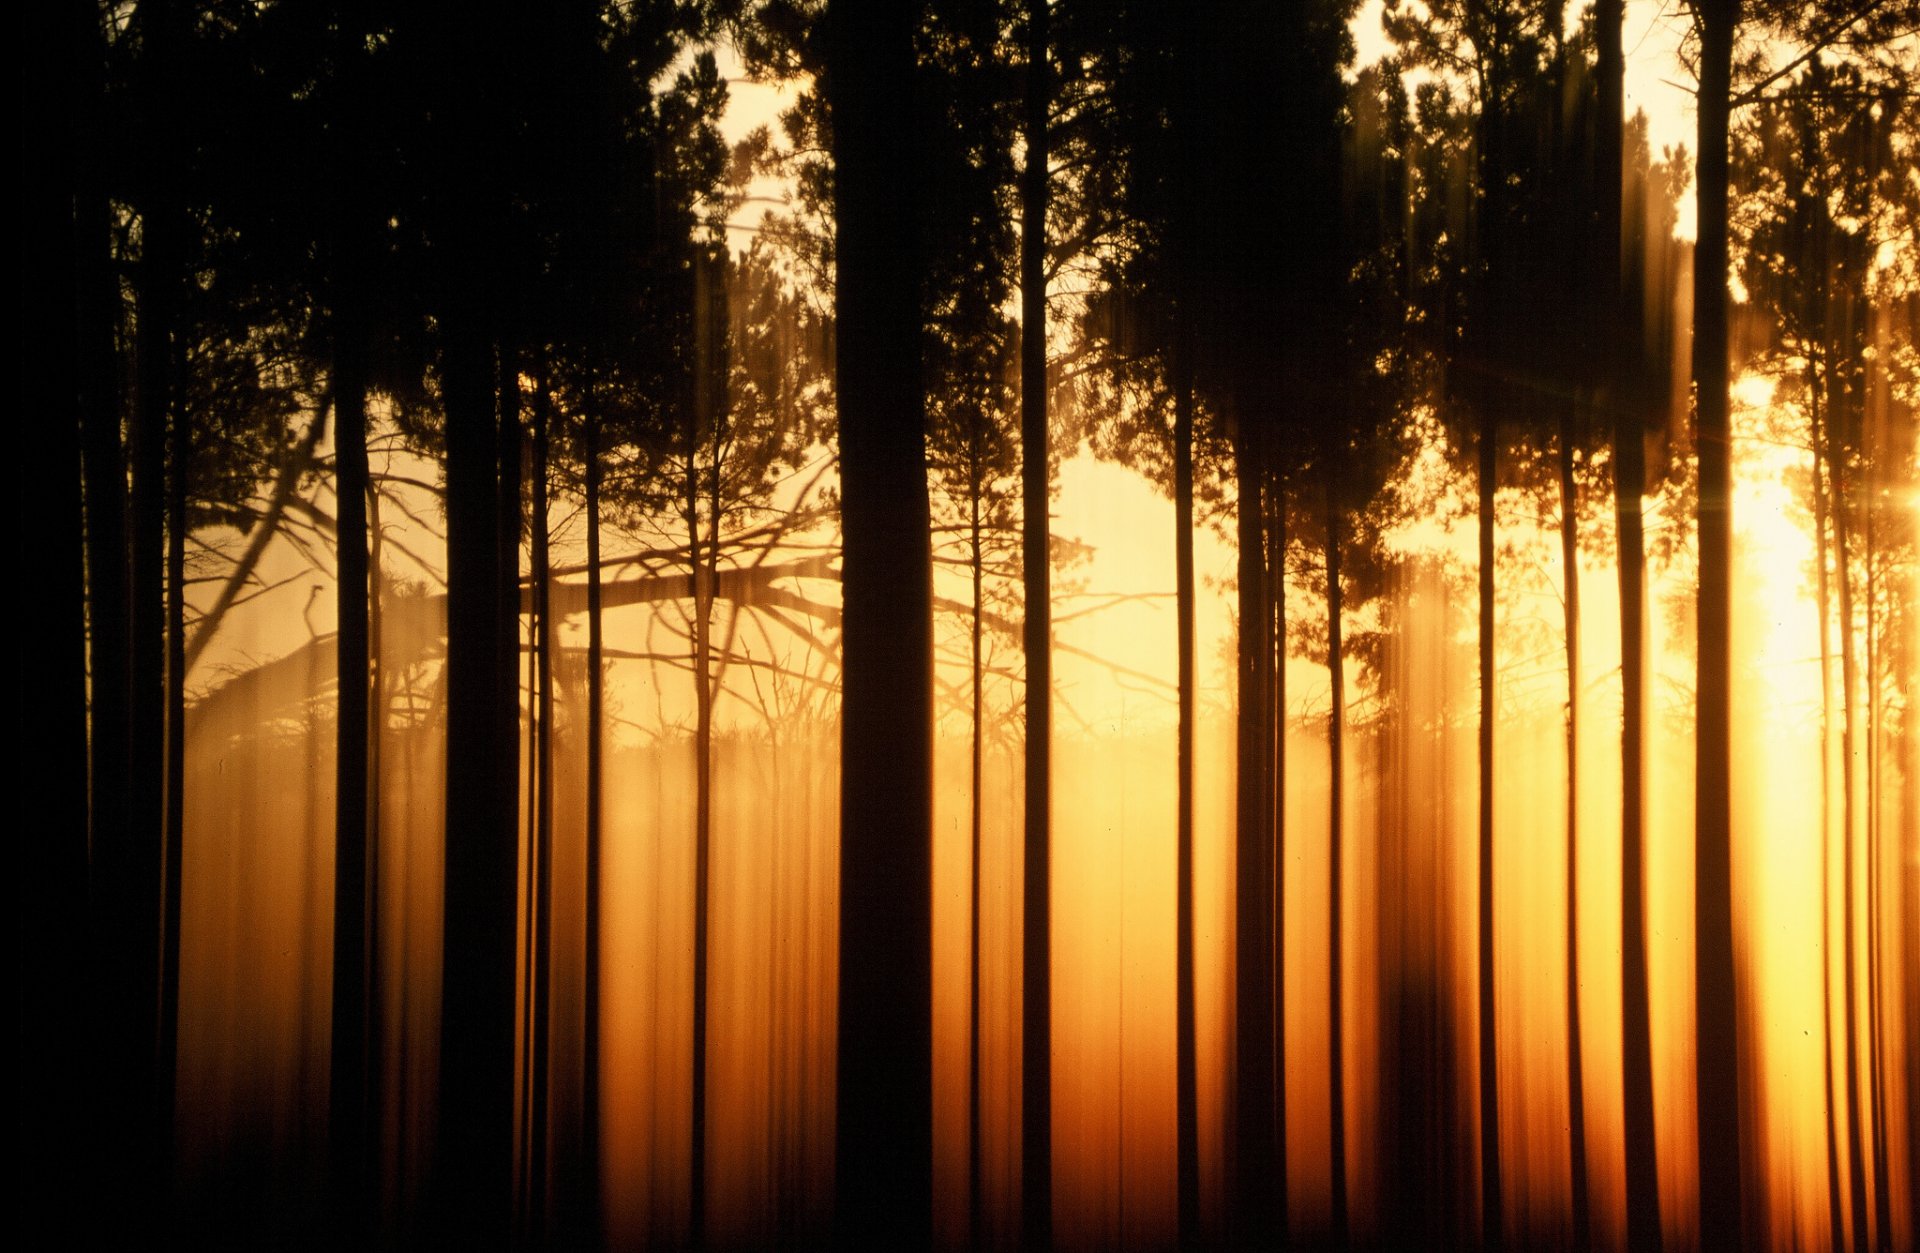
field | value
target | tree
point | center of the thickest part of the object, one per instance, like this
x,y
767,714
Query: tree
x,y
884,1172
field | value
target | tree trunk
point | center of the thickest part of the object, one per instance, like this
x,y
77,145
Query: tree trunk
x,y
590,1166
1491,1220
474,1168
1836,1214
1629,458
1253,876
975,1209
884,1163
51,879
540,900
117,1038
354,1048
1570,574
1717,1054
179,460
140,911
700,567
1883,1181
1036,1011
1186,1077
1275,939
1336,830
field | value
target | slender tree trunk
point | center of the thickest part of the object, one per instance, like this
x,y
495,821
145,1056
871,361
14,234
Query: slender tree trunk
x,y
591,1156
1336,837
884,1164
541,902
1883,1181
1835,1206
141,910
1275,939
1036,1011
114,997
1491,1213
699,427
1857,1130
1874,874
179,462
1253,936
1186,1075
351,1068
50,889
1717,1053
1629,458
1570,574
975,1209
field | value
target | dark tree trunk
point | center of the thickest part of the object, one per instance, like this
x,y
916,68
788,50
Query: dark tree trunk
x,y
1186,1075
140,912
1276,949
1836,460
173,789
702,855
1491,1220
884,1162
1576,1076
51,880
540,900
1336,830
702,566
1883,1180
474,1167
351,1110
118,1038
1718,1043
1253,936
975,1210
1836,1212
1036,1016
590,1165
1629,458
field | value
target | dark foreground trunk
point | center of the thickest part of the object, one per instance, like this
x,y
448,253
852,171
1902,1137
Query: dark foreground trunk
x,y
884,1162
1186,1078
1576,1071
1036,1017
1255,1178
1491,1213
1718,1048
1336,833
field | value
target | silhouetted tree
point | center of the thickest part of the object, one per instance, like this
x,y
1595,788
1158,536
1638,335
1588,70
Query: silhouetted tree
x,y
884,1151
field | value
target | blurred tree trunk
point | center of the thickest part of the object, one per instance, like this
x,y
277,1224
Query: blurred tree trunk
x,y
1336,830
51,879
1254,858
1275,940
1629,458
540,899
1186,1075
1570,600
1836,1213
474,1168
589,1229
352,1118
884,1164
1491,1212
1718,1047
1036,1017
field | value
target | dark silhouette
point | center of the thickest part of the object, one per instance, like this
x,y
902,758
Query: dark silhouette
x,y
1036,1017
1717,1064
883,1176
